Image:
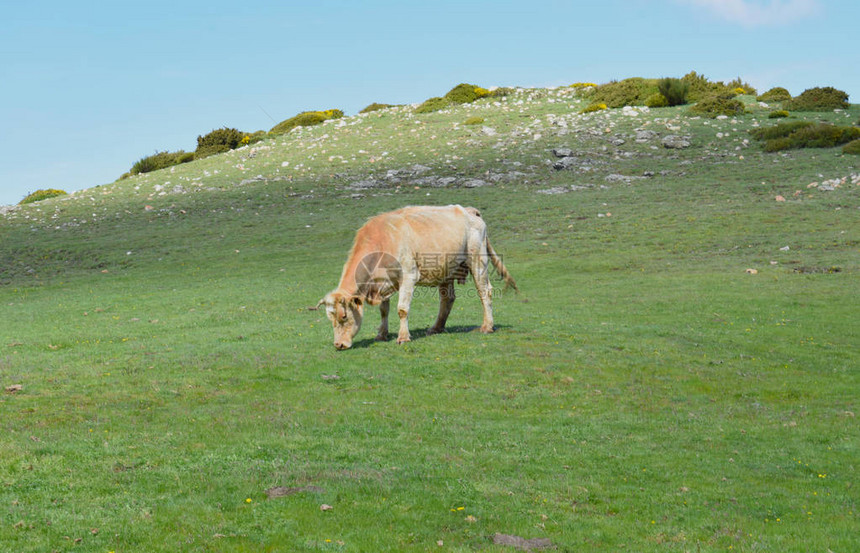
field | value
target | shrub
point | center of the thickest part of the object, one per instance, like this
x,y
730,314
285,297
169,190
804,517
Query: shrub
x,y
474,121
583,85
775,94
305,119
597,106
778,114
40,195
253,138
657,100
433,104
741,87
463,93
852,147
701,87
229,137
466,93
629,92
823,135
160,160
674,91
375,107
818,99
501,92
713,106
778,130
804,134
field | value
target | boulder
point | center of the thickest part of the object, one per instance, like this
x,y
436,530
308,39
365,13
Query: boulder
x,y
675,142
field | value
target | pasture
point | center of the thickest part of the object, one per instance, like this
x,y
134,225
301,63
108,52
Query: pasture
x,y
678,373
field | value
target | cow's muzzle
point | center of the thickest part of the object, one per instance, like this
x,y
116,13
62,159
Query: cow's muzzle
x,y
340,346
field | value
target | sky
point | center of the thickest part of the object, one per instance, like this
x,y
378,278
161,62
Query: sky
x,y
88,88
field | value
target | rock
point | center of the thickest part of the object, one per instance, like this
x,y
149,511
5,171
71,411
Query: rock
x,y
489,131
562,152
645,135
363,184
418,169
617,141
475,183
565,163
622,178
675,142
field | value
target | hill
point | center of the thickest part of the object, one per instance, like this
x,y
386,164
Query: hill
x,y
679,371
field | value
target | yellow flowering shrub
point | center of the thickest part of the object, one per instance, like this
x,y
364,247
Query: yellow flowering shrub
x,y
594,107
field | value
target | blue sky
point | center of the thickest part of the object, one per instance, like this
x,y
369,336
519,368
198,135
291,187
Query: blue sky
x,y
87,88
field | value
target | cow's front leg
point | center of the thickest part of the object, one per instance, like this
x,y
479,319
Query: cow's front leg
x,y
446,302
406,289
383,326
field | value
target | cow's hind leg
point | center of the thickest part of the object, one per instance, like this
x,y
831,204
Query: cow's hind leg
x,y
406,289
446,302
480,272
382,335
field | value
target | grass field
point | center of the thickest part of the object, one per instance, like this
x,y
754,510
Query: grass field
x,y
643,392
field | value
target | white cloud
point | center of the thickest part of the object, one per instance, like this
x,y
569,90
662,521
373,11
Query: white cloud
x,y
751,13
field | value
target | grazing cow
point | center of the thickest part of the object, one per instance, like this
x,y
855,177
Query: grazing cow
x,y
412,246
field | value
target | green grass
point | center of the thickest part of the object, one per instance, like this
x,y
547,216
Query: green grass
x,y
642,393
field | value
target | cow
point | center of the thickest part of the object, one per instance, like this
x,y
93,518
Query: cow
x,y
408,247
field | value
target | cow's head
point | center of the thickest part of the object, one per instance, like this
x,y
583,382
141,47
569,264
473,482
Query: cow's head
x,y
345,313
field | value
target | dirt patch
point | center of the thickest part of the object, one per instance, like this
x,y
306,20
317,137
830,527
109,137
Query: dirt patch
x,y
818,270
522,543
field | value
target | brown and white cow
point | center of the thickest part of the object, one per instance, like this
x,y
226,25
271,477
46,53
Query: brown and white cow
x,y
412,246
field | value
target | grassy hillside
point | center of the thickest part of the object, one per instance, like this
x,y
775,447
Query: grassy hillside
x,y
679,373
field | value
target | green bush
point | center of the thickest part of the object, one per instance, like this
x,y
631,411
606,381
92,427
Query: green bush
x,y
40,195
713,106
778,114
804,134
433,104
779,130
738,85
701,87
657,100
629,92
465,93
474,121
229,137
775,94
375,107
674,91
852,147
253,138
818,99
160,160
305,119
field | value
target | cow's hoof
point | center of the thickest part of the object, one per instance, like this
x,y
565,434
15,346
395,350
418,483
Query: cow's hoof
x,y
433,330
382,337
487,329
404,340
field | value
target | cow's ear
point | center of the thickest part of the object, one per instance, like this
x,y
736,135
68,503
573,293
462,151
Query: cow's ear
x,y
357,301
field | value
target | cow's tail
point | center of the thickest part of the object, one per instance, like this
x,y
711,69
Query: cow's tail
x,y
500,267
